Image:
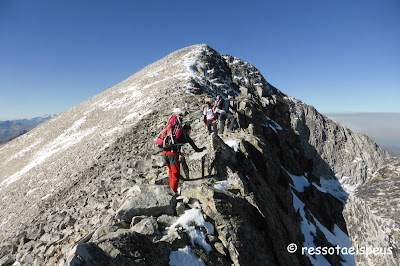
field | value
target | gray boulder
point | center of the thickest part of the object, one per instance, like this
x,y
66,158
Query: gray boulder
x,y
147,226
147,200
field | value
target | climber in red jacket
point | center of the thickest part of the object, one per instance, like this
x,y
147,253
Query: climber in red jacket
x,y
171,158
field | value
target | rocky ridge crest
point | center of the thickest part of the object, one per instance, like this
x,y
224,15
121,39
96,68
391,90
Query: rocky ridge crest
x,y
88,187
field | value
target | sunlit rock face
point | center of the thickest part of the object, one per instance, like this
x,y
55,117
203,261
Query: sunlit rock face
x,y
373,217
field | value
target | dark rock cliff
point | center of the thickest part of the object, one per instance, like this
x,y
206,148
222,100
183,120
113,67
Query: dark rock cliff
x,y
336,150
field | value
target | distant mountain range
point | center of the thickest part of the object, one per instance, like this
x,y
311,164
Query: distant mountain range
x,y
11,129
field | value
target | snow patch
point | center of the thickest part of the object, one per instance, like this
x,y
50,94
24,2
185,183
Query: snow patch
x,y
338,238
276,125
4,222
346,186
299,182
121,101
137,116
233,144
112,131
31,191
22,152
46,197
154,73
194,216
349,187
129,89
333,187
309,231
184,256
319,188
273,125
221,185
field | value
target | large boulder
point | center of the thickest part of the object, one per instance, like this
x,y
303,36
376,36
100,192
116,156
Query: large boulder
x,y
147,200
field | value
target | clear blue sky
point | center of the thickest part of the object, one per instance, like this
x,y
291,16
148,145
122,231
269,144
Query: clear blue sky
x,y
339,56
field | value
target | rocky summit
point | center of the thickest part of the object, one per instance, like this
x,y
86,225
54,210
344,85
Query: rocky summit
x,y
89,187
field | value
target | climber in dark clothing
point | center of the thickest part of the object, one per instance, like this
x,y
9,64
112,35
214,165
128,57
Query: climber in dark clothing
x,y
171,158
226,114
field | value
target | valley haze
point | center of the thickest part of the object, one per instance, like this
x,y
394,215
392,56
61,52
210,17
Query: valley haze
x,y
383,128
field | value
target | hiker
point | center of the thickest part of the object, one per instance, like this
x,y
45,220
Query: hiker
x,y
210,118
226,114
171,157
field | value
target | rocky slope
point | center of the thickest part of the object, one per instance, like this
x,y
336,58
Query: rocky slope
x,y
89,187
373,217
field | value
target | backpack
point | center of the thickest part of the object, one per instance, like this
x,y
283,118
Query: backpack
x,y
219,103
170,133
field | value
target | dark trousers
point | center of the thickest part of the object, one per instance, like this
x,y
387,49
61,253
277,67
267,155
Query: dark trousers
x,y
185,167
222,120
212,127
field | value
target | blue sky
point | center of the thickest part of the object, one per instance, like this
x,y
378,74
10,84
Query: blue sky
x,y
339,56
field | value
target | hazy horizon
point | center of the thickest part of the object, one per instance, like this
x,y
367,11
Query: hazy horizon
x,y
383,128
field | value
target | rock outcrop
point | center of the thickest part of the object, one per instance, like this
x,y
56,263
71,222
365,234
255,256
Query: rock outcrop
x,y
89,187
373,217
335,150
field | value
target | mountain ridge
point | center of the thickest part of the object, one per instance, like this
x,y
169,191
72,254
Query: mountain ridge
x,y
63,188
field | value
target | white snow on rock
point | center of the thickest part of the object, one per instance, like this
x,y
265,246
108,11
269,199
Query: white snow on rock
x,y
346,186
233,144
309,230
299,182
196,236
23,151
333,187
337,238
183,257
319,188
221,185
276,125
273,125
46,197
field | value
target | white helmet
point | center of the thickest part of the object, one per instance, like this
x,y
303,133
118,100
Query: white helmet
x,y
177,111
